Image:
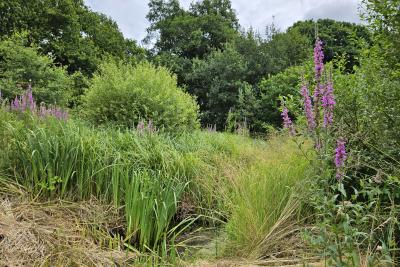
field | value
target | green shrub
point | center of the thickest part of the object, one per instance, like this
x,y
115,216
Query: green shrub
x,y
368,108
125,95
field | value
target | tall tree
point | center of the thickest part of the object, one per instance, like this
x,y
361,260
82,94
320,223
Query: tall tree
x,y
192,33
384,19
216,81
340,38
66,29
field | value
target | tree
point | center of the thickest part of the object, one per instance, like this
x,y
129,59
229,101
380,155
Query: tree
x,y
216,82
67,30
21,66
384,20
206,26
339,38
286,49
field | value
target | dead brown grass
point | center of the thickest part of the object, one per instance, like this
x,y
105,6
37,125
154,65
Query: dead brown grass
x,y
58,234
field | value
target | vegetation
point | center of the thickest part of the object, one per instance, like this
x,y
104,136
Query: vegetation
x,y
213,136
127,95
21,66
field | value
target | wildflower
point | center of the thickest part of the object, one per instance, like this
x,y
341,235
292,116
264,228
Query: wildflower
x,y
328,103
150,127
287,121
27,102
318,59
318,92
31,103
308,108
318,144
42,111
15,104
340,157
319,87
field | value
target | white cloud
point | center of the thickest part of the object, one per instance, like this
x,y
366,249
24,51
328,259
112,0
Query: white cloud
x,y
131,14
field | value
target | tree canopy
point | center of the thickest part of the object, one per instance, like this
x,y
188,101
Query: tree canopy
x,y
67,30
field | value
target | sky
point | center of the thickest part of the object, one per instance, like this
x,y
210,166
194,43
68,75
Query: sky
x,y
131,14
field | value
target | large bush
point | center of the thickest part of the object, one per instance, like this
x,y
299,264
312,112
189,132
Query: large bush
x,y
125,95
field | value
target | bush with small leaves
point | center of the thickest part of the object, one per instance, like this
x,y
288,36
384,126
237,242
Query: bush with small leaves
x,y
125,95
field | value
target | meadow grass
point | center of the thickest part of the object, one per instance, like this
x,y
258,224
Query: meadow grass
x,y
159,182
266,198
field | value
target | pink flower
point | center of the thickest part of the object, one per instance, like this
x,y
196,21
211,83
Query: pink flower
x,y
287,121
308,108
328,103
318,59
27,102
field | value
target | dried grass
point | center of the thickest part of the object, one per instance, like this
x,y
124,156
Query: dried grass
x,y
58,234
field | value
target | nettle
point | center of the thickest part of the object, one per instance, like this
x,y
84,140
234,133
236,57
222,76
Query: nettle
x,y
355,215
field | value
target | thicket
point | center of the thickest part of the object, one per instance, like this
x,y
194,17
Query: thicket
x,y
127,95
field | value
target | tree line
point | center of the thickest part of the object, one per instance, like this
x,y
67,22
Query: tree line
x,y
235,74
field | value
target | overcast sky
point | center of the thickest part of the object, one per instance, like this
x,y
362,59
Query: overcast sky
x,y
131,14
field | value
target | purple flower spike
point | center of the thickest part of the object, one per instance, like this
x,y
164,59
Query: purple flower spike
x,y
308,108
31,102
27,103
340,158
42,111
287,121
318,59
318,92
328,103
15,104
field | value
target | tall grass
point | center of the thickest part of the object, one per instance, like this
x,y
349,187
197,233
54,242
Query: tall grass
x,y
151,176
264,199
59,159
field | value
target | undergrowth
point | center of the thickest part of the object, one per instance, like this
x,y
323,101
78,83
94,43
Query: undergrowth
x,y
163,185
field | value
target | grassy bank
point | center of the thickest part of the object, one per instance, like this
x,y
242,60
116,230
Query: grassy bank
x,y
162,185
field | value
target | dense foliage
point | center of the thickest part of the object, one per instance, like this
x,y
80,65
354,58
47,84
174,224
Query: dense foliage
x,y
68,30
328,181
22,66
128,95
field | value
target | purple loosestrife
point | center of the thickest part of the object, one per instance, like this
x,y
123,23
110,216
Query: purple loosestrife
x,y
287,121
15,106
318,59
340,158
318,93
42,111
31,102
319,87
308,108
328,103
27,102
